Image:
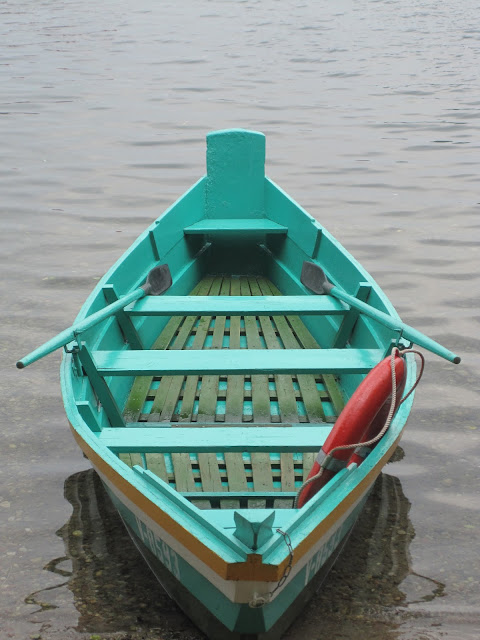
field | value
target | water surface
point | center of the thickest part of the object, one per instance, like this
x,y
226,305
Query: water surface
x,y
371,111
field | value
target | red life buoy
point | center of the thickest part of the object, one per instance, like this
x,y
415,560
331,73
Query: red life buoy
x,y
377,424
357,422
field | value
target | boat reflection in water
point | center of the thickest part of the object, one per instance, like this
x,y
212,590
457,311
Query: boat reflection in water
x,y
114,589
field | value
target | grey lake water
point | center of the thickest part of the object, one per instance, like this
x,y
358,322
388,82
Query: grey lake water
x,y
372,116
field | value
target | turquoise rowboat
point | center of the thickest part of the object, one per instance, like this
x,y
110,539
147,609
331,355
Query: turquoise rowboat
x,y
203,375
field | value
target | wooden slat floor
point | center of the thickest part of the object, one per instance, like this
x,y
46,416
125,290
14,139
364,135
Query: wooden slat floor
x,y
233,399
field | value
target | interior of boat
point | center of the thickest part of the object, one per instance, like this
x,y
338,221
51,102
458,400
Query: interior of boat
x,y
220,400
172,380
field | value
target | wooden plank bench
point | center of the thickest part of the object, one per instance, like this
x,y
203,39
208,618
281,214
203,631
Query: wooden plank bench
x,y
209,440
257,305
235,361
235,225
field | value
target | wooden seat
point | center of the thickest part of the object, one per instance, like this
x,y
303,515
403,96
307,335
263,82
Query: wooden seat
x,y
235,361
232,226
235,306
190,438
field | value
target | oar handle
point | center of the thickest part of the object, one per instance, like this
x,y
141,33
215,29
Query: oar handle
x,y
408,332
67,335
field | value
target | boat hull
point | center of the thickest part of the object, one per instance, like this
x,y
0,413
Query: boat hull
x,y
206,601
252,421
234,621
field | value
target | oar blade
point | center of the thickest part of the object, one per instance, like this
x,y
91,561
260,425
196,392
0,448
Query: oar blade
x,y
158,281
314,278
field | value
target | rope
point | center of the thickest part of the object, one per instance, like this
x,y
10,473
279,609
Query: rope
x,y
385,427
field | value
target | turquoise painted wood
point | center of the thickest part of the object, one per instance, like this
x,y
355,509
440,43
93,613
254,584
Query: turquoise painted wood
x,y
235,174
127,327
236,306
348,323
252,530
240,226
224,425
235,495
233,222
131,440
101,388
238,361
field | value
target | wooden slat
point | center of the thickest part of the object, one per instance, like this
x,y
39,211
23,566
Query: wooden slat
x,y
241,495
308,342
234,305
261,468
127,459
260,393
235,384
177,381
191,383
209,472
142,384
184,480
208,464
223,425
284,386
308,386
156,464
182,467
241,361
288,480
262,477
308,460
207,403
235,225
335,394
237,480
211,440
131,459
170,386
159,399
272,330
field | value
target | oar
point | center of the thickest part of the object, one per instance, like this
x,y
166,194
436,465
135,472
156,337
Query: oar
x,y
158,280
315,279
